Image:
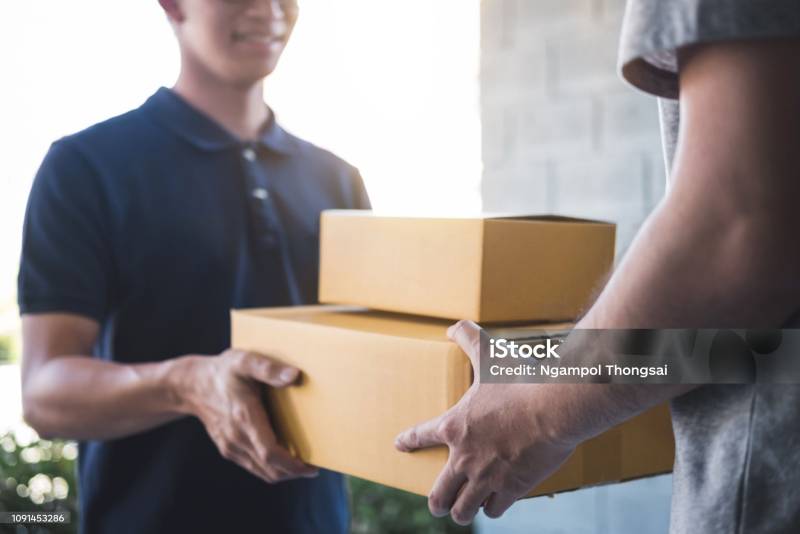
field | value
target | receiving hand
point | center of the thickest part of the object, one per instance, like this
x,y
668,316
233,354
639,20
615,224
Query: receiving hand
x,y
500,439
224,392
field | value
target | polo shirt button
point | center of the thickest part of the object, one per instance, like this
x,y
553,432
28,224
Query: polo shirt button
x,y
260,193
249,154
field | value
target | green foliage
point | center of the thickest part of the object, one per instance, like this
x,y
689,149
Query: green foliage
x,y
6,349
38,476
381,510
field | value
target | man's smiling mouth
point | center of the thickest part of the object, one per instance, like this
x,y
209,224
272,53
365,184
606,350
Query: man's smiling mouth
x,y
255,37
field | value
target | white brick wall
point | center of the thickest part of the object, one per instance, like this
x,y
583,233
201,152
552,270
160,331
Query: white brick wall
x,y
561,132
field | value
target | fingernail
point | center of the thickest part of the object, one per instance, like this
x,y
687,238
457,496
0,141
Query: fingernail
x,y
288,374
439,513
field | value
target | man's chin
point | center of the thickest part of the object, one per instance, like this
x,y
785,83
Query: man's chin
x,y
246,77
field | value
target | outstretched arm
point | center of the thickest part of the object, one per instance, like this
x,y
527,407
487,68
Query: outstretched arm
x,y
719,251
68,394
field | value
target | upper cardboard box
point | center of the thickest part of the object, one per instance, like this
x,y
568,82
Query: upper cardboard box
x,y
487,269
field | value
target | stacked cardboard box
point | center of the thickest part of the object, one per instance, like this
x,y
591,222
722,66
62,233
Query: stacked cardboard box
x,y
378,360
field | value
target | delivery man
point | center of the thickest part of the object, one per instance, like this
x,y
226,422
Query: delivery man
x,y
141,233
720,251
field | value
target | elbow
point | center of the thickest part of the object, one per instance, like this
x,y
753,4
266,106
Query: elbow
x,y
33,414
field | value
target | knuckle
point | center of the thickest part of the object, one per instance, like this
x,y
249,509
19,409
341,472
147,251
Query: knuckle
x,y
233,354
411,437
461,463
488,473
269,367
239,413
448,429
226,451
246,357
462,323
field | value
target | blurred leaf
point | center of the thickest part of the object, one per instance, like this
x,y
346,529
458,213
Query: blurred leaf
x,y
6,349
378,509
38,476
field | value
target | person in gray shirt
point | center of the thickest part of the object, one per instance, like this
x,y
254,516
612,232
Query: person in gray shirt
x,y
719,251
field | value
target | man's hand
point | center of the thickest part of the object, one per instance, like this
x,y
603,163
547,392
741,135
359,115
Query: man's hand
x,y
224,392
68,394
501,445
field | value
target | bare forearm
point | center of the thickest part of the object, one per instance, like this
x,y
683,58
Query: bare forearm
x,y
690,267
685,270
720,250
78,397
577,412
700,270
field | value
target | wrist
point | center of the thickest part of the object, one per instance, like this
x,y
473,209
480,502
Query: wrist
x,y
566,415
180,385
549,420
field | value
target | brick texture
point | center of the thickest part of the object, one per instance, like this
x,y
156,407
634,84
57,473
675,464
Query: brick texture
x,y
562,133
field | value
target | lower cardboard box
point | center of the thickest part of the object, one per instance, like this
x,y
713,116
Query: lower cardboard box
x,y
368,375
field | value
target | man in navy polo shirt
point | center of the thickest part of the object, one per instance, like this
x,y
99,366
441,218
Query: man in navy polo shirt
x,y
141,233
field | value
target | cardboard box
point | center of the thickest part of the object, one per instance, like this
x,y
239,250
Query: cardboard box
x,y
368,375
504,269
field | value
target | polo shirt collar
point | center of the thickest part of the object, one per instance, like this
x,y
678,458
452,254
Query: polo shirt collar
x,y
173,112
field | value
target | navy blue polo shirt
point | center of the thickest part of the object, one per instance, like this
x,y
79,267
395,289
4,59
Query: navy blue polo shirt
x,y
156,223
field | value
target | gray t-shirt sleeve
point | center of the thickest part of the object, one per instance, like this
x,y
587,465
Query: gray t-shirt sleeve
x,y
653,30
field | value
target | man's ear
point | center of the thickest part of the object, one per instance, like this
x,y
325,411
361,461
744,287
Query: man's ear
x,y
173,10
